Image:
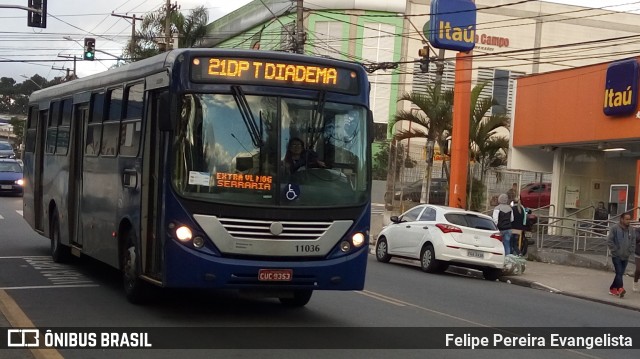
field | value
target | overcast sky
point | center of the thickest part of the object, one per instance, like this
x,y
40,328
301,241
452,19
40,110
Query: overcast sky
x,y
83,18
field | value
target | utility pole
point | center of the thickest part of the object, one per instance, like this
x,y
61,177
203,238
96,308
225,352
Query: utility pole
x,y
74,65
169,9
132,44
68,76
299,28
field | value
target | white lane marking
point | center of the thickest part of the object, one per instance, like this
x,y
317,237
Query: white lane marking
x,y
380,298
20,212
400,302
51,286
1,217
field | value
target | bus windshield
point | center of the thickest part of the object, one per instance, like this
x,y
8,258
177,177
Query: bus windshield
x,y
270,151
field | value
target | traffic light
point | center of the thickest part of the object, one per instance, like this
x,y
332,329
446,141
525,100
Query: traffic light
x,y
37,19
424,61
89,48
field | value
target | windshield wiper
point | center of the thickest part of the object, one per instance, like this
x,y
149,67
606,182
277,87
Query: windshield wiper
x,y
318,116
247,116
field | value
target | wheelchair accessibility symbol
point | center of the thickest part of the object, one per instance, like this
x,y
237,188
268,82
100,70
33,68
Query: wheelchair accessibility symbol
x,y
293,192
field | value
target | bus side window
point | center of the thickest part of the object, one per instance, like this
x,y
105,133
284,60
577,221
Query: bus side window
x,y
52,128
94,129
111,127
32,121
62,143
131,126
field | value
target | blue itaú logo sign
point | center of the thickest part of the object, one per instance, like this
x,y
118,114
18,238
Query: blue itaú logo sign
x,y
453,25
621,88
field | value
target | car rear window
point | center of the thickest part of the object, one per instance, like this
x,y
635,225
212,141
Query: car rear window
x,y
470,220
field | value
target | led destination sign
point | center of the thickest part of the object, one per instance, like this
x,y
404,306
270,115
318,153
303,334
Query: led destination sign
x,y
274,73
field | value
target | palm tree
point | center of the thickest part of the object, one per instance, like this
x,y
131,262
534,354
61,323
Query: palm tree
x,y
486,147
433,120
190,29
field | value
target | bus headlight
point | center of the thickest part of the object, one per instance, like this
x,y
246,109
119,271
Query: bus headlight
x,y
345,246
20,182
358,239
184,234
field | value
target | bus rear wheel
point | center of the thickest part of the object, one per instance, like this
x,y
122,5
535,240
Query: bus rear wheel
x,y
135,289
300,298
59,252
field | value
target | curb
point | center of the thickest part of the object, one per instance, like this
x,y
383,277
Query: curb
x,y
539,286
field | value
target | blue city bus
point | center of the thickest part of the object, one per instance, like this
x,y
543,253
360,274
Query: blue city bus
x,y
175,170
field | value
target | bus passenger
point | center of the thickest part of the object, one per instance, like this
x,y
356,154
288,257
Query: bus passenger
x,y
297,156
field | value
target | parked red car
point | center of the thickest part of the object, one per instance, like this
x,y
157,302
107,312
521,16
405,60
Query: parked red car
x,y
536,195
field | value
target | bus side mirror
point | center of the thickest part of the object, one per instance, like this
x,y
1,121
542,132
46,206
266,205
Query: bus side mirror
x,y
167,111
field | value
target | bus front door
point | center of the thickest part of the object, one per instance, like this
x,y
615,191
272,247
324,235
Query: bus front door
x,y
152,169
74,209
38,206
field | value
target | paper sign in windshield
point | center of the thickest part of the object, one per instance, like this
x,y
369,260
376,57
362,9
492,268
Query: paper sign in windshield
x,y
199,178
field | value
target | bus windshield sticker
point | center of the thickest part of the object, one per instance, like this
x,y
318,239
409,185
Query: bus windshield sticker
x,y
245,181
292,192
199,178
273,72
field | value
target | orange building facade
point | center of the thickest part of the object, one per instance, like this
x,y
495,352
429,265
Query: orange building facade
x,y
560,126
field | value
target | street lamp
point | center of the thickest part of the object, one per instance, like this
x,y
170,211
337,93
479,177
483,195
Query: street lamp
x,y
28,78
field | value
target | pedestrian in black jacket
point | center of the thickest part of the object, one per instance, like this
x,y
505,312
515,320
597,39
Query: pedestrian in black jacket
x,y
503,216
518,226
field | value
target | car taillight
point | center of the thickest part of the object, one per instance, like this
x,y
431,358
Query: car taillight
x,y
497,236
447,228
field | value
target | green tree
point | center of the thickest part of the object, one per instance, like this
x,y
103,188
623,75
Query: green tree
x,y
190,29
18,128
486,147
381,161
433,120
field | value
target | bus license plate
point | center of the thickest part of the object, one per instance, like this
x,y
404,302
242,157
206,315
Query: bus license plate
x,y
6,186
275,275
477,254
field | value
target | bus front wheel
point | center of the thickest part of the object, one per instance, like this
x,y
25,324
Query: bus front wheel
x,y
135,289
300,298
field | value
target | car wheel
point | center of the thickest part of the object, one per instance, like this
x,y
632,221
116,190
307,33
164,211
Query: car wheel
x,y
135,289
491,274
300,298
382,250
428,261
59,252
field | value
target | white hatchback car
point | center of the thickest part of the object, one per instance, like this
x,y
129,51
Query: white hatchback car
x,y
438,236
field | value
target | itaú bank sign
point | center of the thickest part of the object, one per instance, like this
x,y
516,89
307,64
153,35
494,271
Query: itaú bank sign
x,y
452,25
621,88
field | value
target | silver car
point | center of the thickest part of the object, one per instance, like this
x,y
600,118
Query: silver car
x,y
6,150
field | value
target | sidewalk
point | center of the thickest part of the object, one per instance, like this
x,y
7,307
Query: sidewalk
x,y
579,282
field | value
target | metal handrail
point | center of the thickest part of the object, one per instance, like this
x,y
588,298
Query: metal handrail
x,y
549,206
574,225
581,210
618,215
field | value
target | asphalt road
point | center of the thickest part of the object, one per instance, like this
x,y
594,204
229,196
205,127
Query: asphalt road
x,y
397,295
